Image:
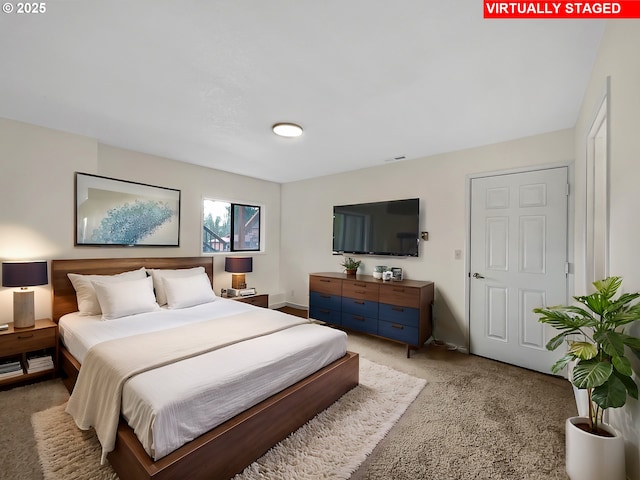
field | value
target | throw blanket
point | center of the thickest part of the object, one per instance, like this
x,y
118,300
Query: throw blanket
x,y
97,395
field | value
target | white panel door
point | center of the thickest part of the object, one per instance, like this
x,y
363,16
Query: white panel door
x,y
518,259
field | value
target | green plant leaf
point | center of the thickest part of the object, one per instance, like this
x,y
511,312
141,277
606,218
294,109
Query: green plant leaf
x,y
559,319
556,341
586,314
591,373
633,311
629,383
612,342
562,363
596,302
622,365
622,301
583,350
611,394
608,287
631,342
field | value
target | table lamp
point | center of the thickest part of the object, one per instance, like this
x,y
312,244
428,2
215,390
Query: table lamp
x,y
24,275
238,266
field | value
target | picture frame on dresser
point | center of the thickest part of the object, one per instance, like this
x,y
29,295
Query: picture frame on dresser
x,y
121,213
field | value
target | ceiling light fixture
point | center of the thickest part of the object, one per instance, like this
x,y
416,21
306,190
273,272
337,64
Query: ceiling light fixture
x,y
287,130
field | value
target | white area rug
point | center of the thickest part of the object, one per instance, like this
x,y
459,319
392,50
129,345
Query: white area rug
x,y
331,446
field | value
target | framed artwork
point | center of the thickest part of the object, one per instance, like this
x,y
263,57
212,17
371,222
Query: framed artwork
x,y
111,212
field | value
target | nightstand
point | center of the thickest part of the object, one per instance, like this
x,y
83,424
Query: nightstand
x,y
25,344
259,300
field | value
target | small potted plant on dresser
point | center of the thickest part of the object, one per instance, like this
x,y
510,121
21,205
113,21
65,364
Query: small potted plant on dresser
x,y
351,265
597,361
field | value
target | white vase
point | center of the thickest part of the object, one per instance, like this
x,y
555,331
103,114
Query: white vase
x,y
592,457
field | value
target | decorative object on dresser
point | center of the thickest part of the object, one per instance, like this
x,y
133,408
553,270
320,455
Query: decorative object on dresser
x,y
24,275
351,265
378,270
27,354
399,311
238,266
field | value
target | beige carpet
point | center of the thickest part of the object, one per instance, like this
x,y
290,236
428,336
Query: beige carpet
x,y
18,455
332,445
476,419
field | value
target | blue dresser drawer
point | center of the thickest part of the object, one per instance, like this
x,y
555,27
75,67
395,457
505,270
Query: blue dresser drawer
x,y
366,308
360,323
398,331
325,300
405,315
325,314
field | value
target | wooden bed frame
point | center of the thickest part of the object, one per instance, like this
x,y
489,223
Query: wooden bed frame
x,y
233,445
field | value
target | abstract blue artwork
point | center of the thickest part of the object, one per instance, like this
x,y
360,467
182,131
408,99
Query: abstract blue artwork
x,y
121,213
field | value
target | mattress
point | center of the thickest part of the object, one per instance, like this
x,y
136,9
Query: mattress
x,y
171,405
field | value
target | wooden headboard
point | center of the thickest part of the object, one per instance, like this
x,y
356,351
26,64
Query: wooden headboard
x,y
64,296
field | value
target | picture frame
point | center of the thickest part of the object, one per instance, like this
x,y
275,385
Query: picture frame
x,y
120,213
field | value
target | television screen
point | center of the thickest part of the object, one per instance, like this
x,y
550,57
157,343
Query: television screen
x,y
379,228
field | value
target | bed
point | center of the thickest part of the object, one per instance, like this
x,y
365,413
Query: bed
x,y
230,446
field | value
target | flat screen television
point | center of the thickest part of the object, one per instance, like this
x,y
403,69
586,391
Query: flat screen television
x,y
378,228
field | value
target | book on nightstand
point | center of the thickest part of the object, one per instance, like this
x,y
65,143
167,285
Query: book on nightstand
x,y
37,362
10,368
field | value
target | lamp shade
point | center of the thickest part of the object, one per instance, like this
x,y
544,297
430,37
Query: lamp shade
x,y
238,264
24,274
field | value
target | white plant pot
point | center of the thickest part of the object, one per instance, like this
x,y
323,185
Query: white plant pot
x,y
592,457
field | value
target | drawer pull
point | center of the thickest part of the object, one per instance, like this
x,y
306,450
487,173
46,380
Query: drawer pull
x,y
360,285
325,281
399,327
397,309
325,296
398,289
361,291
358,302
24,337
359,318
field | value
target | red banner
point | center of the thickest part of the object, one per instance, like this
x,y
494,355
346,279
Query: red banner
x,y
562,9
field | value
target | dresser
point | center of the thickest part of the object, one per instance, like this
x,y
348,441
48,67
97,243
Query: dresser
x,y
398,311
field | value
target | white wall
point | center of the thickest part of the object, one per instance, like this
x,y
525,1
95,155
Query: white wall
x,y
618,58
37,204
439,181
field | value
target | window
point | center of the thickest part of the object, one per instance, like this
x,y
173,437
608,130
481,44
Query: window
x,y
230,227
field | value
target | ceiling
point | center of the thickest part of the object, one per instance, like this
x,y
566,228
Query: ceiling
x,y
369,80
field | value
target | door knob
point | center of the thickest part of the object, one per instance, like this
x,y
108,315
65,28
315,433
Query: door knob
x,y
477,275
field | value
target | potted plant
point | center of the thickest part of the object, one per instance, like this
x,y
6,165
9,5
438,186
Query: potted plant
x,y
598,363
351,265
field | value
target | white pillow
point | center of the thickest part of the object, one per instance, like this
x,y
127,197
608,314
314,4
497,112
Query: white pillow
x,y
85,293
158,275
125,298
183,292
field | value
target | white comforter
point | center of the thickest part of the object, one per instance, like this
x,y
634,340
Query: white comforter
x,y
171,405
